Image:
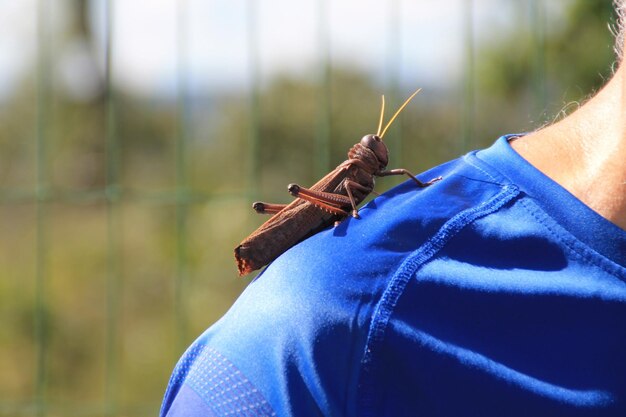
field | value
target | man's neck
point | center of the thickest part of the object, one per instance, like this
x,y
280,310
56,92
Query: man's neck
x,y
586,152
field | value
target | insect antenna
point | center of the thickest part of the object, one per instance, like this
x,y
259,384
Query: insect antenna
x,y
382,115
398,112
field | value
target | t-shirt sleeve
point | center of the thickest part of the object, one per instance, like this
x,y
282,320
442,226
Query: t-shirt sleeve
x,y
295,339
468,297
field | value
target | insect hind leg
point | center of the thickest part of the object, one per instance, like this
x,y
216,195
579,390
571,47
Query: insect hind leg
x,y
267,208
329,202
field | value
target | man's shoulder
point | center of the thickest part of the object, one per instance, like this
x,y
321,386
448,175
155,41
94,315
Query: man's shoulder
x,y
307,317
359,255
319,297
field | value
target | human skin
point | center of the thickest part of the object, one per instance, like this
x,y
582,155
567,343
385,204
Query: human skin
x,y
586,151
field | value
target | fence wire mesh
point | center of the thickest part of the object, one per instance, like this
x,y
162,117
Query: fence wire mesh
x,y
117,245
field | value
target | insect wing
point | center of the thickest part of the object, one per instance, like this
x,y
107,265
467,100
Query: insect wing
x,y
287,227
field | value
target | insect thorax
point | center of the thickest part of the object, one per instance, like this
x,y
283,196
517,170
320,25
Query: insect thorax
x,y
366,155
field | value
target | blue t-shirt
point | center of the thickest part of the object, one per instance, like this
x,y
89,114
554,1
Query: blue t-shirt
x,y
493,292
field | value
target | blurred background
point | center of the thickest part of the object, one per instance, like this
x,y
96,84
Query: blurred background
x,y
135,134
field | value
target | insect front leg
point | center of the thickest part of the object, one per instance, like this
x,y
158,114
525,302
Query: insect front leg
x,y
267,208
353,185
402,171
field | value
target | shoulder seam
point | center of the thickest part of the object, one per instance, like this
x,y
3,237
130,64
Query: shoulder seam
x,y
383,311
468,160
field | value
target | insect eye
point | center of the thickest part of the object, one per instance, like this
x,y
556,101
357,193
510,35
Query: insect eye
x,y
369,140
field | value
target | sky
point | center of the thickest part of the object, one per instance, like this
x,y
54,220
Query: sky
x,y
215,45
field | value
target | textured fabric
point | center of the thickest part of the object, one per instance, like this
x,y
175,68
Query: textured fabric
x,y
493,292
213,386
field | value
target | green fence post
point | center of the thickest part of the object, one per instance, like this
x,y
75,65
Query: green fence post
x,y
112,194
469,76
42,191
538,22
393,68
182,185
324,109
253,174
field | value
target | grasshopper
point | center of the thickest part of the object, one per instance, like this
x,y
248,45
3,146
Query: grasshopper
x,y
328,202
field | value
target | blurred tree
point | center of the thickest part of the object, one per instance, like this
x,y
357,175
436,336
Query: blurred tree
x,y
577,54
531,73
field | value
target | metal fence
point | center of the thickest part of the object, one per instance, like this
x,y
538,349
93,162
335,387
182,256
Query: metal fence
x,y
43,302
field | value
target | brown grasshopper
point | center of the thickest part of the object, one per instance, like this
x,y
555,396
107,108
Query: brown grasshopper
x,y
329,201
